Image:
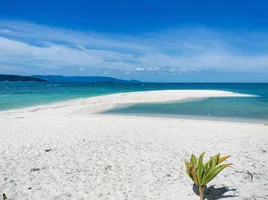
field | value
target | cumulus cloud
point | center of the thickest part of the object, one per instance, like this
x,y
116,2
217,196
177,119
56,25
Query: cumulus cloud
x,y
38,47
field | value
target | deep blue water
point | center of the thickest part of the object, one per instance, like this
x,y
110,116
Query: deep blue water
x,y
24,94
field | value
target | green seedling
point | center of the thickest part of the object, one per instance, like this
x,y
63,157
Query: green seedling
x,y
201,174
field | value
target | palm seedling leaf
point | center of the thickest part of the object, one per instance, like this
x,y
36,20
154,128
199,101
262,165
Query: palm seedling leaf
x,y
212,173
200,168
223,159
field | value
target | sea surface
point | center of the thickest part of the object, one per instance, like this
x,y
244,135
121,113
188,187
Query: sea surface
x,y
24,94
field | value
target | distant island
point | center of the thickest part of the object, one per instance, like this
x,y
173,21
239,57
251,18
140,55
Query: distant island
x,y
82,79
64,79
4,77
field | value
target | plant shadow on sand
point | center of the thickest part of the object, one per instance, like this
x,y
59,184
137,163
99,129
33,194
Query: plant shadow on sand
x,y
212,193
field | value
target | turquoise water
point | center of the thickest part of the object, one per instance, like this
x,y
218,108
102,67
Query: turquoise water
x,y
24,94
238,109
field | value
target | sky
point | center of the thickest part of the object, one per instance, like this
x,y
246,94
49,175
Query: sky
x,y
162,41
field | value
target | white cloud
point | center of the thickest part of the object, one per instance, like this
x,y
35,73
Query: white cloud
x,y
29,45
81,69
140,69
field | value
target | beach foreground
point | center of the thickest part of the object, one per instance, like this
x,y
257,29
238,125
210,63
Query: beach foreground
x,y
67,151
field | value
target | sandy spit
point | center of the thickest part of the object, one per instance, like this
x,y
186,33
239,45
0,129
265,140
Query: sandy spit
x,y
65,151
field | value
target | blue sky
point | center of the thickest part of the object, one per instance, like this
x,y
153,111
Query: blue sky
x,y
147,40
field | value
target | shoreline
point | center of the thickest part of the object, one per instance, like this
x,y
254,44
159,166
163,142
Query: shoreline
x,y
135,97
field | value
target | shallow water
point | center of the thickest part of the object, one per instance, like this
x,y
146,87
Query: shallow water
x,y
228,109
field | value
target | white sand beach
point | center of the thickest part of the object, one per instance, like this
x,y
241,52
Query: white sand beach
x,y
68,151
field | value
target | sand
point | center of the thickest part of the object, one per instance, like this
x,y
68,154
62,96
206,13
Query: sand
x,y
68,151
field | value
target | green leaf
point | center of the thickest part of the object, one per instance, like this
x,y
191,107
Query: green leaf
x,y
215,160
212,173
200,167
208,164
193,159
218,157
223,159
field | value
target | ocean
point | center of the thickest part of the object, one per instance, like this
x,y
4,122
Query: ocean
x,y
24,94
